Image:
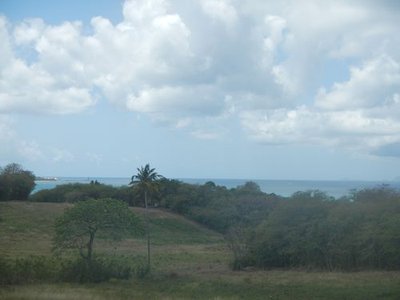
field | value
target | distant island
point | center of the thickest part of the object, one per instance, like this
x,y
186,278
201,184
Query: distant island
x,y
40,178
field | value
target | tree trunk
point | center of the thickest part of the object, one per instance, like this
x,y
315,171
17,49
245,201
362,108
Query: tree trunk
x,y
147,231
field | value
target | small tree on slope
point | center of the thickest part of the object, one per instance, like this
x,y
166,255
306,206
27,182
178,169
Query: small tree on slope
x,y
78,226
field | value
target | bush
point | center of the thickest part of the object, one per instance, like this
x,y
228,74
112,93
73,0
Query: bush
x,y
101,268
34,269
29,270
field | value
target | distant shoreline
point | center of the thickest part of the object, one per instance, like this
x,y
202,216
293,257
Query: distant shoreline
x,y
39,178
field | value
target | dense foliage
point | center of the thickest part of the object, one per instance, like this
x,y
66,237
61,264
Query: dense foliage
x,y
76,192
307,230
15,183
215,206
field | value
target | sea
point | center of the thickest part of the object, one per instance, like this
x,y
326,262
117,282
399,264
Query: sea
x,y
284,188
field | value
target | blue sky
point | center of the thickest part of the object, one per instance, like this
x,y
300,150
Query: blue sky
x,y
201,89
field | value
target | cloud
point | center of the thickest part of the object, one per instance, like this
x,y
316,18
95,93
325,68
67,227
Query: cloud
x,y
205,135
200,67
152,49
354,130
29,31
13,147
6,131
375,83
44,87
141,11
179,102
361,113
5,45
95,158
390,150
220,10
62,155
30,150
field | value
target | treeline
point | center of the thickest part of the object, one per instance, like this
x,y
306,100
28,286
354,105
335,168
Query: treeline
x,y
215,206
307,230
75,192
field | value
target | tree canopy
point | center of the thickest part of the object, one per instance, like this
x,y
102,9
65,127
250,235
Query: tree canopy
x,y
78,226
145,181
15,183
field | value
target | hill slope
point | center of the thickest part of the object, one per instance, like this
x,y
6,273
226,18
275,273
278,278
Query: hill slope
x,y
27,229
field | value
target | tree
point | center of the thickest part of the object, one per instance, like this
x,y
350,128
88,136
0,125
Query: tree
x,y
250,187
15,183
78,226
146,181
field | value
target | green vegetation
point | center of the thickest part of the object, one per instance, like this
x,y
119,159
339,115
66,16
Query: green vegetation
x,y
15,183
50,269
307,230
189,261
293,247
265,285
215,206
78,226
75,192
145,183
179,245
311,231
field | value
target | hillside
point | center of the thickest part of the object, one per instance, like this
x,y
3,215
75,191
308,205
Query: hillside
x,y
27,229
189,261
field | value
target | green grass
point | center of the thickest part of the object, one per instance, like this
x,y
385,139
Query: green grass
x,y
259,285
172,229
189,262
25,224
27,228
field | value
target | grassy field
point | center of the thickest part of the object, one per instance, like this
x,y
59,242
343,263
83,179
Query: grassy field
x,y
189,262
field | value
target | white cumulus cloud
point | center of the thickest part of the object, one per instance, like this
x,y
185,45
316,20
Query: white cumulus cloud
x,y
375,83
44,86
193,67
353,130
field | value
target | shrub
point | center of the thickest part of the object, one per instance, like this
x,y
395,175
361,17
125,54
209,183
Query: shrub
x,y
34,269
101,268
28,270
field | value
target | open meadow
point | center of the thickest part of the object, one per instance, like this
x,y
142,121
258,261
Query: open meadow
x,y
189,261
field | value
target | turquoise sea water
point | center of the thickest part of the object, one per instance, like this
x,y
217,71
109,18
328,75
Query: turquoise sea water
x,y
279,187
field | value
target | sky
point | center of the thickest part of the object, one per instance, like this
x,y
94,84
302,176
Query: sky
x,y
258,89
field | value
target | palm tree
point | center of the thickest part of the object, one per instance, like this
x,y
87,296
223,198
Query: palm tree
x,y
146,181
